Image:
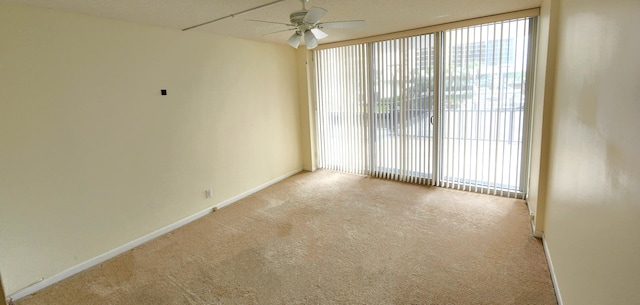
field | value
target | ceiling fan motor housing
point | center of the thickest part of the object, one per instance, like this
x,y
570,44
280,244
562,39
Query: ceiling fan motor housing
x,y
297,17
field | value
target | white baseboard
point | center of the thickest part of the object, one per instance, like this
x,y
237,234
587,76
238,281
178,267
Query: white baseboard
x,y
256,189
553,273
39,285
540,234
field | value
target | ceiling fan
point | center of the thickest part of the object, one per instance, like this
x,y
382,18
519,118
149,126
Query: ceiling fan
x,y
307,25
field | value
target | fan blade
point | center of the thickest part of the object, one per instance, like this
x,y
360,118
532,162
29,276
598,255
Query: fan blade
x,y
314,15
342,24
287,24
319,34
309,40
294,40
287,30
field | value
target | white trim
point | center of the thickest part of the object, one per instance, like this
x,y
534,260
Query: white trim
x,y
536,233
256,189
553,273
532,12
45,282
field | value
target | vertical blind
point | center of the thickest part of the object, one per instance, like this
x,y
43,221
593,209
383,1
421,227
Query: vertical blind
x,y
402,98
483,107
342,113
447,108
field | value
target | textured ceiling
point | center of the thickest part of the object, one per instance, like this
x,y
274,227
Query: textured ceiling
x,y
382,16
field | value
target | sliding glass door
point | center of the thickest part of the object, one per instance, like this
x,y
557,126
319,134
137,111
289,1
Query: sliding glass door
x,y
402,98
446,108
483,106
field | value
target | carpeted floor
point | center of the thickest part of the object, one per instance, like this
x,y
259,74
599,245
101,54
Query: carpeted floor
x,y
331,238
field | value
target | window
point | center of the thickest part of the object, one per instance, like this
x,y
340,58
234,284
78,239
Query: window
x,y
448,108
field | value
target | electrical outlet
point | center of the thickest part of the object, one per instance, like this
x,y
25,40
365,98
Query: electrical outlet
x,y
208,193
532,217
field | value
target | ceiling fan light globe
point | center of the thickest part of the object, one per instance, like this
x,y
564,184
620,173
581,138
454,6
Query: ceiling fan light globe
x,y
310,41
319,34
294,40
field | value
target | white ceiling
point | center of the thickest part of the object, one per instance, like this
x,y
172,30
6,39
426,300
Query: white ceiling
x,y
382,16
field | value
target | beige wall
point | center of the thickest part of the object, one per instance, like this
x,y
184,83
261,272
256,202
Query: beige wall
x,y
592,218
93,157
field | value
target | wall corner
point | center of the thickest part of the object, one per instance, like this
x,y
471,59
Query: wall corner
x,y
307,115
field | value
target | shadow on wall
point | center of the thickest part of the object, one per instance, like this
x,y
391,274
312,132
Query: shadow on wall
x,y
2,296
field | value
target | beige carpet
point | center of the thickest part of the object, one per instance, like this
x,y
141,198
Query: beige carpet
x,y
331,238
